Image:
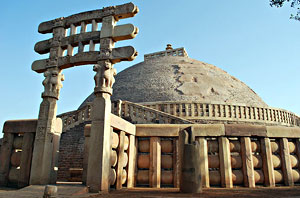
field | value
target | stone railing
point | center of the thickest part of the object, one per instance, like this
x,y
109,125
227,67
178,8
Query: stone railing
x,y
185,113
231,154
172,52
201,112
74,118
16,152
133,112
123,153
137,113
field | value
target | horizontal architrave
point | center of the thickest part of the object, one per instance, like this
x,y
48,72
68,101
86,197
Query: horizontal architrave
x,y
208,129
121,32
127,53
160,130
119,12
283,132
43,47
245,130
20,126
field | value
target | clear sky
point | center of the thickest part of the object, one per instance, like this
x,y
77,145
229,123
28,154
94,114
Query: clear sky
x,y
250,40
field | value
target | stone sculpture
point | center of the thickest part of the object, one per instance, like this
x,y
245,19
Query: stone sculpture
x,y
104,77
53,82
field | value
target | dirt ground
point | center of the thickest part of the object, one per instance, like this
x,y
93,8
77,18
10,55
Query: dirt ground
x,y
212,192
80,191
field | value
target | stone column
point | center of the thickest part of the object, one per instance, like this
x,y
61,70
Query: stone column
x,y
100,146
49,127
48,131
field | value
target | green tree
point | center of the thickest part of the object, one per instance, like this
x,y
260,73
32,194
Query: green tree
x,y
293,3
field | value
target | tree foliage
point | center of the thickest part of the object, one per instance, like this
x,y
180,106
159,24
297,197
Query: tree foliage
x,y
293,3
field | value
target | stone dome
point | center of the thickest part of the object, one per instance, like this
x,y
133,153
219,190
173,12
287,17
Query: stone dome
x,y
179,78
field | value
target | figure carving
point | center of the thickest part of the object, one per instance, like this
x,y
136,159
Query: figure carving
x,y
53,82
104,78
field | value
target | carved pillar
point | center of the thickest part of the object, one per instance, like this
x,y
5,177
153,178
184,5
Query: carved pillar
x,y
100,147
49,128
48,132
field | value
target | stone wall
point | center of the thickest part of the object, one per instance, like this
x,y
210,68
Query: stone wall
x,y
70,152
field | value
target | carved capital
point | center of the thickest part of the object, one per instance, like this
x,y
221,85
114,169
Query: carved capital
x,y
104,77
52,83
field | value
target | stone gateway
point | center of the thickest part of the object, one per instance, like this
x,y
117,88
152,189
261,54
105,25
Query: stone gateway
x,y
169,121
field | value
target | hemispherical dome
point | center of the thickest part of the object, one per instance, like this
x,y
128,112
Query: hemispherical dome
x,y
170,78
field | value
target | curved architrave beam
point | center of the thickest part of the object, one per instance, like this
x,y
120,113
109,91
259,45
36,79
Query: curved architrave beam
x,y
43,47
119,12
121,32
127,53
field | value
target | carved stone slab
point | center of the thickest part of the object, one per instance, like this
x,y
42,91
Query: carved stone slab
x,y
119,12
127,53
121,32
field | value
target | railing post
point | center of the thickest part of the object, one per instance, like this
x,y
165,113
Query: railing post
x,y
192,110
120,160
268,168
225,163
176,163
286,162
180,110
169,108
155,162
132,157
204,162
210,110
119,108
248,169
174,109
256,113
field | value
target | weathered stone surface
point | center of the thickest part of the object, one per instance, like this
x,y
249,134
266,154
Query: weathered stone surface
x,y
46,144
120,11
171,78
127,53
13,126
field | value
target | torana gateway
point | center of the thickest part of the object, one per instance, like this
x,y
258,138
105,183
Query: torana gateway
x,y
170,121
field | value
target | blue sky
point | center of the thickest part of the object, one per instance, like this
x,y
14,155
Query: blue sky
x,y
250,40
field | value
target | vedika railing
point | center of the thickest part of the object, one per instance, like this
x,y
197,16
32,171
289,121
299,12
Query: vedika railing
x,y
185,113
198,111
133,112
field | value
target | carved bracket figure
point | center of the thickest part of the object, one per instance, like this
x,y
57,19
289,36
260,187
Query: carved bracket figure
x,y
104,77
53,83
